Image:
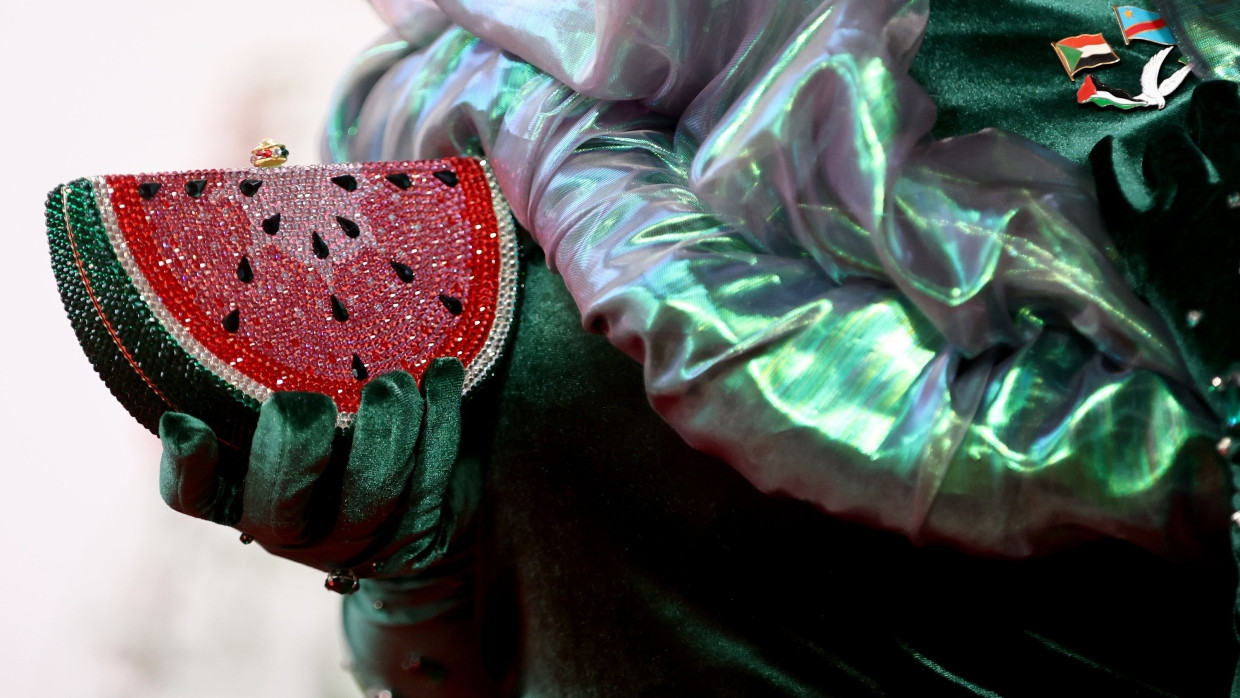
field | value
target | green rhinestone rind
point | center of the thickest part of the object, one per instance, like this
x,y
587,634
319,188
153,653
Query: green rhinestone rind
x,y
108,361
185,384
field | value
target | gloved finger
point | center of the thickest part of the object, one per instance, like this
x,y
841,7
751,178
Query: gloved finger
x,y
1175,169
290,452
1214,123
420,530
381,462
441,432
188,475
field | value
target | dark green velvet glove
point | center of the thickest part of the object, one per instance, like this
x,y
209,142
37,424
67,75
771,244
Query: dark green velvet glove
x,y
1182,252
385,501
391,502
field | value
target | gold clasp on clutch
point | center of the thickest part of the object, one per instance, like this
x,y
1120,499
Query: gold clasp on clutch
x,y
269,153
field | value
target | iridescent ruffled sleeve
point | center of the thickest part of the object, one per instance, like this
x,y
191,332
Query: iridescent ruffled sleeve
x,y
921,336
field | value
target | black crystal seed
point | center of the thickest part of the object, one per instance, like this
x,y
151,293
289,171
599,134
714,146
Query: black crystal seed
x,y
320,247
448,177
452,304
271,226
359,368
404,272
349,227
246,539
195,187
249,187
345,182
147,190
232,321
338,310
400,179
244,272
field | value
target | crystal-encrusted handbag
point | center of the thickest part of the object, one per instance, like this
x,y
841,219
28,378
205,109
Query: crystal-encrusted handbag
x,y
206,291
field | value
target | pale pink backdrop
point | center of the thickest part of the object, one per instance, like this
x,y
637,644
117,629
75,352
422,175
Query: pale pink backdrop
x,y
105,591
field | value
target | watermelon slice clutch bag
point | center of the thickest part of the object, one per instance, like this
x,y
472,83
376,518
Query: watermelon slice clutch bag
x,y
206,291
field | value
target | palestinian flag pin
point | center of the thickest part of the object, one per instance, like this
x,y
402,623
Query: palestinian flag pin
x,y
1083,52
1094,92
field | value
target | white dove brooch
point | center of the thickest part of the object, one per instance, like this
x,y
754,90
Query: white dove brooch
x,y
1153,92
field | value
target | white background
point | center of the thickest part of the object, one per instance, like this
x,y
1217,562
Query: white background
x,y
106,592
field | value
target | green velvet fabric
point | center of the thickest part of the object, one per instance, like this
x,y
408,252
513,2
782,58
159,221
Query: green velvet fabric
x,y
642,567
376,501
1181,252
1176,239
991,65
610,559
415,630
614,560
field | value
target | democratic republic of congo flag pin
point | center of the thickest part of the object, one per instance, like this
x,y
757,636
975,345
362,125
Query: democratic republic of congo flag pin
x,y
1136,23
1083,52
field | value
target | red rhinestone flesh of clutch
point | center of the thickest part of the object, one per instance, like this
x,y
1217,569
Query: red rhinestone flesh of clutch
x,y
206,291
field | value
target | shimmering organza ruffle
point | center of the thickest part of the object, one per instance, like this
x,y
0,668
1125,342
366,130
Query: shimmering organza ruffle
x,y
1208,33
921,336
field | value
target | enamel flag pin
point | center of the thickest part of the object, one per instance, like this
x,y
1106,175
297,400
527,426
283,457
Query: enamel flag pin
x,y
1153,92
1083,52
1138,24
1094,92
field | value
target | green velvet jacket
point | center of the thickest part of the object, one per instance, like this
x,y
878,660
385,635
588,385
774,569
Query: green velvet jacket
x,y
614,560
634,565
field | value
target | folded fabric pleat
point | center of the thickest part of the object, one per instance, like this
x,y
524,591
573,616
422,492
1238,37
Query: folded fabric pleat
x,y
924,336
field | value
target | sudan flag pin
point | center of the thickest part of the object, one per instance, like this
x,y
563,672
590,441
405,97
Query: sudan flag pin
x,y
1083,52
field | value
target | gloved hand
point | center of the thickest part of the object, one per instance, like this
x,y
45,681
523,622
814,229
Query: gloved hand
x,y
1182,253
386,505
